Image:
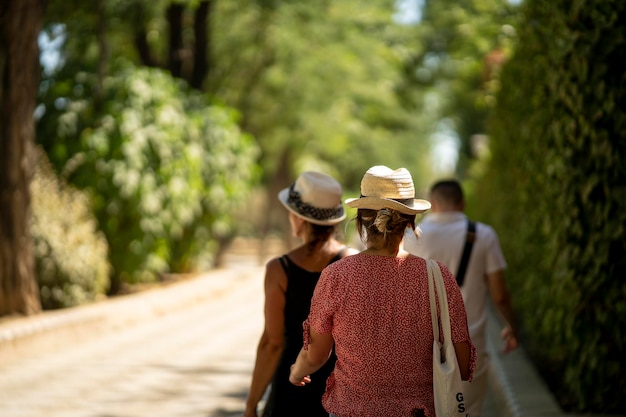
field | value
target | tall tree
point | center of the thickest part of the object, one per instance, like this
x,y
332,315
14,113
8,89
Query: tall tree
x,y
88,104
315,82
458,48
188,57
20,23
316,85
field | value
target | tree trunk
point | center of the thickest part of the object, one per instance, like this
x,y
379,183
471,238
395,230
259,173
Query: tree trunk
x,y
140,37
20,24
143,48
176,49
202,35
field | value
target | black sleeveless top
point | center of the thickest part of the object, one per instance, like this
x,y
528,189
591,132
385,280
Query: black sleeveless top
x,y
285,399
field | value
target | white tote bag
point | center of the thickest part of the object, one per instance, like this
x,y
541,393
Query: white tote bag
x,y
447,383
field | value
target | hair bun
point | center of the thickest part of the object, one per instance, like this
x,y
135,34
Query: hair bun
x,y
383,217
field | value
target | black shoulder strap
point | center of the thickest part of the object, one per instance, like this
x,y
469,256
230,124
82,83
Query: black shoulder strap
x,y
284,262
467,250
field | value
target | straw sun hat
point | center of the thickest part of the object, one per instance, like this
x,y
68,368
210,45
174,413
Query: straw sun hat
x,y
314,197
382,187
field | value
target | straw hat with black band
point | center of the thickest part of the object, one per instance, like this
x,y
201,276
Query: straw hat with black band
x,y
382,187
314,197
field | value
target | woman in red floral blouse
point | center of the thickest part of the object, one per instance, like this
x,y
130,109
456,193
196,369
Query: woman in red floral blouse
x,y
374,309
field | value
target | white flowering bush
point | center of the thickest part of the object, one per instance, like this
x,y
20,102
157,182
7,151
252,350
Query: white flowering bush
x,y
71,261
164,167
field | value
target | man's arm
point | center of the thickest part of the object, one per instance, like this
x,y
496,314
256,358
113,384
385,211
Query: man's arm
x,y
502,301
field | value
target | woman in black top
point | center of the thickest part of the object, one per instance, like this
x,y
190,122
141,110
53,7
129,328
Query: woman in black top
x,y
314,205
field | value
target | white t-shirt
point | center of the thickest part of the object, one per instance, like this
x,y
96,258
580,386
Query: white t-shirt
x,y
442,238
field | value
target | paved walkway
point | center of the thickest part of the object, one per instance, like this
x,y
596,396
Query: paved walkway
x,y
186,358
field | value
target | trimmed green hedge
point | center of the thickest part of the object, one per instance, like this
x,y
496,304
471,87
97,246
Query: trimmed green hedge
x,y
555,189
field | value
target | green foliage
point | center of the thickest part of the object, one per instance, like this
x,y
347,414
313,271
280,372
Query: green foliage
x,y
451,69
558,178
320,85
316,83
164,167
70,252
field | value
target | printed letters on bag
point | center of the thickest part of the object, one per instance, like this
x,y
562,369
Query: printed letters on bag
x,y
460,402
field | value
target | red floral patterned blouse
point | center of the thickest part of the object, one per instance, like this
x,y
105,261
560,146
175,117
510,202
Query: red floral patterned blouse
x,y
378,312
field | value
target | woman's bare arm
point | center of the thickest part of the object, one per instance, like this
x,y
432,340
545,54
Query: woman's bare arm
x,y
311,360
271,343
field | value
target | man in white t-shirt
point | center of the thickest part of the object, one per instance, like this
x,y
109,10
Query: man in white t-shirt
x,y
443,236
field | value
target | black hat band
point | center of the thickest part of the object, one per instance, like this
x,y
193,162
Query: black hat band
x,y
308,210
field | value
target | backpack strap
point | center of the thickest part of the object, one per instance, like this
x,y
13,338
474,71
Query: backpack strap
x,y
467,250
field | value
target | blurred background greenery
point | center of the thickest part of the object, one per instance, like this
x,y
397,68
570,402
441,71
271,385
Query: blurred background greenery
x,y
170,126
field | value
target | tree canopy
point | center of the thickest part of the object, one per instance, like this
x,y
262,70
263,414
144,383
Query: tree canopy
x,y
315,84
